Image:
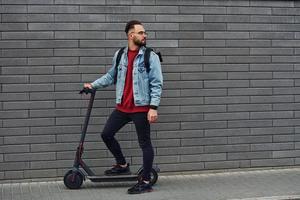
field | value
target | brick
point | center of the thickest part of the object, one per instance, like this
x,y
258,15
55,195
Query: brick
x,y
249,75
272,99
272,162
249,107
272,19
203,76
249,91
80,18
202,43
13,26
104,9
248,59
226,83
272,67
14,131
272,35
53,61
286,59
13,114
81,2
227,148
249,139
14,96
28,18
203,26
203,157
286,27
249,155
286,154
203,92
226,67
14,166
52,44
285,43
176,2
14,79
203,125
271,51
272,130
27,70
248,43
13,9
54,79
271,115
179,18
12,44
55,130
179,35
27,87
53,9
27,1
40,173
53,26
27,53
29,157
12,62
79,35
28,122
226,18
179,150
204,141
202,10
227,100
15,148
271,147
29,139
272,83
226,3
286,106
249,123
201,59
154,9
226,116
226,51
249,11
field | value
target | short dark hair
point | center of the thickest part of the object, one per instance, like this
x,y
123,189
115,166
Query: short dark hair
x,y
131,24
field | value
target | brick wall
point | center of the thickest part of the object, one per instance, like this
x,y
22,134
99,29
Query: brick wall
x,y
231,95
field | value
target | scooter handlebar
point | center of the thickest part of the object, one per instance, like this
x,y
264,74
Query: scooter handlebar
x,y
87,91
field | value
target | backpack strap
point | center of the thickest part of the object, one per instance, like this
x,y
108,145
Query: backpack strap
x,y
121,51
147,58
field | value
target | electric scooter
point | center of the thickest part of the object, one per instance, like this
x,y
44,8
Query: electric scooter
x,y
74,177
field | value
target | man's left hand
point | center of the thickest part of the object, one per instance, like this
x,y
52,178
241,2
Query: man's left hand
x,y
152,115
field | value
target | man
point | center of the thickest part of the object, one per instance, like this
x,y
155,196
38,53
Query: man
x,y
138,93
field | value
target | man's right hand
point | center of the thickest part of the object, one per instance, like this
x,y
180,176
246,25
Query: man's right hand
x,y
88,85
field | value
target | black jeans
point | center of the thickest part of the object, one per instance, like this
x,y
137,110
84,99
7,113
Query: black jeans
x,y
115,122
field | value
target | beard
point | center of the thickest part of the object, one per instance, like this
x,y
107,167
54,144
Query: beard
x,y
139,43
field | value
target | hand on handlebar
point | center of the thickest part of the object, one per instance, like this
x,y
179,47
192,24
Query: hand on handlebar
x,y
87,88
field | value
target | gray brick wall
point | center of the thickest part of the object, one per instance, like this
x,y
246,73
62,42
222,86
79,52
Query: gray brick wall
x,y
231,94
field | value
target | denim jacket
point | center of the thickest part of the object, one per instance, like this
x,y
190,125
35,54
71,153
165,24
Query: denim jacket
x,y
147,87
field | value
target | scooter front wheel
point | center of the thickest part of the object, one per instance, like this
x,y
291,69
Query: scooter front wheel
x,y
73,179
153,176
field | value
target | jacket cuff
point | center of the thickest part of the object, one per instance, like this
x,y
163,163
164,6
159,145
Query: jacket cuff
x,y
153,107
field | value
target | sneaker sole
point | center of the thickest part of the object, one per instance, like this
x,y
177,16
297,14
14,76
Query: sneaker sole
x,y
141,192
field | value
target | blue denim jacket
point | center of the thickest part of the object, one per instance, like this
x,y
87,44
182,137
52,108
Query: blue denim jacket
x,y
147,87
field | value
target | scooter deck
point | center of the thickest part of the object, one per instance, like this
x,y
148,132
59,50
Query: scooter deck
x,y
115,178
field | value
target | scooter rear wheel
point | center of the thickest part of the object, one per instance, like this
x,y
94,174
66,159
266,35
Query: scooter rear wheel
x,y
73,179
153,176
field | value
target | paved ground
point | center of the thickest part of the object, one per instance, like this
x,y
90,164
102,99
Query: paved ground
x,y
262,184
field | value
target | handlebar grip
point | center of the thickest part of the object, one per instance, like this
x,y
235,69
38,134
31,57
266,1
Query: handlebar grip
x,y
87,91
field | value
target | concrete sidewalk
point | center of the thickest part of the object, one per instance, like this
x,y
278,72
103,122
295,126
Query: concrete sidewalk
x,y
260,184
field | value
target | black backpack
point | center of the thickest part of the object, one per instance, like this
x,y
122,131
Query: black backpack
x,y
146,60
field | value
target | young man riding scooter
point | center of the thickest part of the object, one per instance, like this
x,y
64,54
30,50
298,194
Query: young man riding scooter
x,y
138,93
